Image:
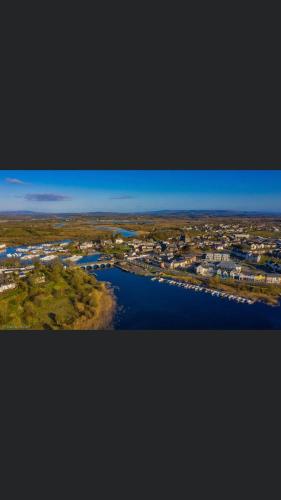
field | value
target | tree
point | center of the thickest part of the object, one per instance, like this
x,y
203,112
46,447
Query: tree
x,y
28,312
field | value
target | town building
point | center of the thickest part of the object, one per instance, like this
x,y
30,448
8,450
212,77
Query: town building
x,y
274,279
217,256
205,270
85,245
229,266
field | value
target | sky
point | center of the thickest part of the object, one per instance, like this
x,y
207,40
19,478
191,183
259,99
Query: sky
x,y
139,190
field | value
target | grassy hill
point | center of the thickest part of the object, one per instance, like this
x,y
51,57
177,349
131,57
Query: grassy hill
x,y
53,298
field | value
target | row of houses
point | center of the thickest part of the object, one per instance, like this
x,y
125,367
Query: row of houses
x,y
217,256
235,271
247,255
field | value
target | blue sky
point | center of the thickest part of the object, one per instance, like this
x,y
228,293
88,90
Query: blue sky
x,y
139,190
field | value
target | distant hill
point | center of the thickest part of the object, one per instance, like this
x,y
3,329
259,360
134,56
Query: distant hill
x,y
156,213
16,212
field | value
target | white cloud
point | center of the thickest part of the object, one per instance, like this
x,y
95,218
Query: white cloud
x,y
12,180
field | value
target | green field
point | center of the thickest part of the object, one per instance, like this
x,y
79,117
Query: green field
x,y
67,299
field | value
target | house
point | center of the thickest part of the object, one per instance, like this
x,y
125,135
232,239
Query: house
x,y
234,275
86,245
138,257
273,279
246,254
107,243
242,236
119,241
229,266
223,273
147,247
2,247
251,276
253,257
190,258
205,270
259,277
39,279
217,256
158,247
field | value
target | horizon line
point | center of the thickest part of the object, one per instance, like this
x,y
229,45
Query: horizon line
x,y
23,212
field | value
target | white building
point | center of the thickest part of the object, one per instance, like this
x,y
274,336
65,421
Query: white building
x,y
3,288
86,244
205,270
217,256
47,258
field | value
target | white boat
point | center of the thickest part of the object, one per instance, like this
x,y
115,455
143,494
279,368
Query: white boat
x,y
47,258
28,257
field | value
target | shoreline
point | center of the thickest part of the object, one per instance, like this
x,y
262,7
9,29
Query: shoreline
x,y
105,313
222,287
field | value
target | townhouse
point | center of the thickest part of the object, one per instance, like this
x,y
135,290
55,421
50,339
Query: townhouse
x,y
206,270
217,256
183,261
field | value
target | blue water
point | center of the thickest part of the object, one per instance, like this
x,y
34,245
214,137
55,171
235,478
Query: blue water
x,y
89,258
124,232
12,250
149,305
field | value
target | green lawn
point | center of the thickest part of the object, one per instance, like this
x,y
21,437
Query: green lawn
x,y
67,296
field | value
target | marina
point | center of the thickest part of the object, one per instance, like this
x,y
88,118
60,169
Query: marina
x,y
145,303
44,252
196,288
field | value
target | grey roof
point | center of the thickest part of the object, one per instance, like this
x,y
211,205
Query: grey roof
x,y
228,265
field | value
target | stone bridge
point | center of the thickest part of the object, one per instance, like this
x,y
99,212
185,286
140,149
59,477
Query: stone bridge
x,y
100,264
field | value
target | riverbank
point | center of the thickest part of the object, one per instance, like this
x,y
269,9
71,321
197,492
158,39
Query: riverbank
x,y
131,268
269,295
147,304
104,314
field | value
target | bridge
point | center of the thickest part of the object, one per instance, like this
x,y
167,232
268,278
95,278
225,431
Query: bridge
x,y
100,264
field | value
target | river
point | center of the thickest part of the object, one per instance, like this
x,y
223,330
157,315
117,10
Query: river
x,y
149,305
123,232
